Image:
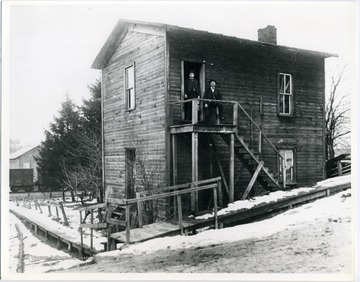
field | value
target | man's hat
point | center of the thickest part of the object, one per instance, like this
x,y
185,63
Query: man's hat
x,y
212,80
192,71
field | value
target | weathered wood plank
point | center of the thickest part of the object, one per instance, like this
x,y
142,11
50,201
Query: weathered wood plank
x,y
252,181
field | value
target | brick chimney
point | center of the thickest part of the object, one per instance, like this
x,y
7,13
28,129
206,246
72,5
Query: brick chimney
x,y
267,34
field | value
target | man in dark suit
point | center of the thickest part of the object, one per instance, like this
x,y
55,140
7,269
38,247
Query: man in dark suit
x,y
192,90
212,93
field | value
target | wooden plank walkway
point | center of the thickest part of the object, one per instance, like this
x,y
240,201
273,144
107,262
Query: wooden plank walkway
x,y
154,230
163,229
71,243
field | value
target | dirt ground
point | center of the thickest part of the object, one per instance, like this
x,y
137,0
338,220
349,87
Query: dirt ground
x,y
324,246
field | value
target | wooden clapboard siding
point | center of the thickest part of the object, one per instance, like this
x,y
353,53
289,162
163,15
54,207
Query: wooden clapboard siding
x,y
247,71
142,128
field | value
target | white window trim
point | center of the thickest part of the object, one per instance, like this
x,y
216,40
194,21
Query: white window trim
x,y
127,99
281,112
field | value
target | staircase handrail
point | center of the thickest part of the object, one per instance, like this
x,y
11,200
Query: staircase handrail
x,y
258,128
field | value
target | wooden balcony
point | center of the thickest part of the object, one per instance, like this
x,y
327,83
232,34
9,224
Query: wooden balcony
x,y
198,123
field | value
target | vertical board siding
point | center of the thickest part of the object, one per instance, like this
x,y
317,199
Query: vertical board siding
x,y
142,128
247,71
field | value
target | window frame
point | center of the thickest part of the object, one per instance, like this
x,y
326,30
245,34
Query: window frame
x,y
128,98
280,95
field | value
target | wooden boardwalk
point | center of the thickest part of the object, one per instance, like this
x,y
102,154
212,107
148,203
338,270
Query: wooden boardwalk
x,y
154,230
163,229
63,241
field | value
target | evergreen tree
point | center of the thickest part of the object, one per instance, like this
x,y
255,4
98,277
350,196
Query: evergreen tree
x,y
55,152
71,155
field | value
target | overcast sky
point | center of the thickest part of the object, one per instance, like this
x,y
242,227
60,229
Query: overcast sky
x,y
51,47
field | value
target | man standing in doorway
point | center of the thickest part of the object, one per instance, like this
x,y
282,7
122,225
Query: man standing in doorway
x,y
212,93
192,90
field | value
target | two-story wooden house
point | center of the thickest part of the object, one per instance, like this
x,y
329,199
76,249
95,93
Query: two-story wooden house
x,y
273,99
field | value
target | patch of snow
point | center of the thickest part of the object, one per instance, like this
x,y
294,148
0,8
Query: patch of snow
x,y
39,257
339,180
301,216
71,232
257,201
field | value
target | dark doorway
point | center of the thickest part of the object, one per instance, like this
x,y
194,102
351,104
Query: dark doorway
x,y
196,67
130,157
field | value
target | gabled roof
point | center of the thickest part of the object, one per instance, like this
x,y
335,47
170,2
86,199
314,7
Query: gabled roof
x,y
120,30
22,151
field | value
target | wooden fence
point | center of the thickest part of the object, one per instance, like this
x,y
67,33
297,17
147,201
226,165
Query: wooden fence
x,y
176,191
340,165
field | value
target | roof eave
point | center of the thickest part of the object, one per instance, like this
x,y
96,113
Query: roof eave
x,y
110,45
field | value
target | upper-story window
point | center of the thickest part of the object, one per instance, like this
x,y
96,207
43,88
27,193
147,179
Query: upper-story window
x,y
285,95
130,88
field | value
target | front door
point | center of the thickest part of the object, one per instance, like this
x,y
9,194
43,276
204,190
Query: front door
x,y
199,70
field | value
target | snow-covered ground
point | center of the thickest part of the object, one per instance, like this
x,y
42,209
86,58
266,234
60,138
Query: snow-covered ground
x,y
275,196
72,231
39,257
334,208
303,216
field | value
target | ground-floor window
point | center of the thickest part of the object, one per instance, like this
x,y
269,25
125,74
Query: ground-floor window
x,y
288,155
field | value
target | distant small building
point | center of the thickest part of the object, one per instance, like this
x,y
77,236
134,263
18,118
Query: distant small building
x,y
25,158
14,145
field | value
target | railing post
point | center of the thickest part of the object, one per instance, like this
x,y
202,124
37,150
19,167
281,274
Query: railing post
x,y
195,111
219,191
127,216
171,112
260,141
283,172
215,208
235,114
139,207
179,208
251,129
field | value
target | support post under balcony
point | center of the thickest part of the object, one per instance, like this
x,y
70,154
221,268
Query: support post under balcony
x,y
195,169
231,169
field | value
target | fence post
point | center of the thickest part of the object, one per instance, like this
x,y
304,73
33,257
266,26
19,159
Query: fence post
x,y
66,223
57,213
339,167
81,231
49,209
91,230
21,267
37,203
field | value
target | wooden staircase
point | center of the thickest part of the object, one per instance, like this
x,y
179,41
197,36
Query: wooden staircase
x,y
254,165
